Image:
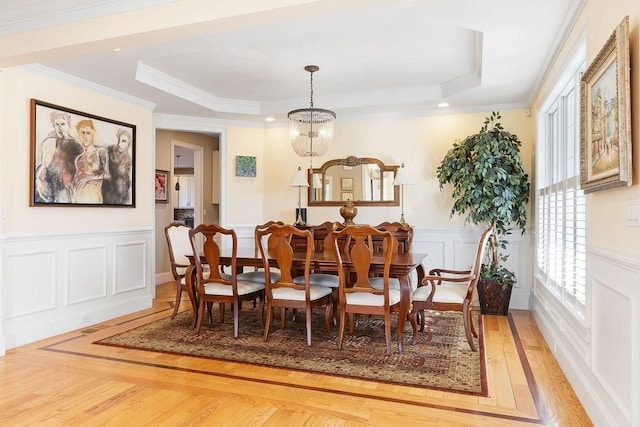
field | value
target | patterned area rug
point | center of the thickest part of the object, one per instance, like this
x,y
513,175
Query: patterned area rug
x,y
441,359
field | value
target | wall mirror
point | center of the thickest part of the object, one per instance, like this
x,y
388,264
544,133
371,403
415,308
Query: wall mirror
x,y
365,181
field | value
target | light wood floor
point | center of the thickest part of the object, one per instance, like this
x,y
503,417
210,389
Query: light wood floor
x,y
66,380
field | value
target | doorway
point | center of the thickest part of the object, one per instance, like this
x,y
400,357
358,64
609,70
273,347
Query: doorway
x,y
187,184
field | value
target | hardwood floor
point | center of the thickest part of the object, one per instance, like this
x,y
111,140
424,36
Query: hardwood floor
x,y
66,380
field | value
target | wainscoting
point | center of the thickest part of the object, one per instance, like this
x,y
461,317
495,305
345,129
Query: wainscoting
x,y
599,355
57,283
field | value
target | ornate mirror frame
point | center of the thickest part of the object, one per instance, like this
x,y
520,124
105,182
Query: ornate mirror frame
x,y
315,193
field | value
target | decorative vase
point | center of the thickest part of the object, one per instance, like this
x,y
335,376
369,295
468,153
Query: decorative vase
x,y
348,212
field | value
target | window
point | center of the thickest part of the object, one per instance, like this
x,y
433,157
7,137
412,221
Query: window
x,y
560,204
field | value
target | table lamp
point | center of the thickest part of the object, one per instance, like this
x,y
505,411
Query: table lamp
x,y
402,179
299,181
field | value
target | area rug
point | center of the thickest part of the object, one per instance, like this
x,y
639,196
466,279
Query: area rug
x,y
441,359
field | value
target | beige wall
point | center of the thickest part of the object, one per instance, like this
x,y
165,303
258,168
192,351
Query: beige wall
x,y
246,195
19,86
420,143
609,207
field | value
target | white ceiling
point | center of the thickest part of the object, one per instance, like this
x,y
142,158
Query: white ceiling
x,y
390,57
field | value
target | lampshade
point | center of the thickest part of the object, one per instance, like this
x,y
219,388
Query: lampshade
x,y
299,180
317,182
311,129
402,176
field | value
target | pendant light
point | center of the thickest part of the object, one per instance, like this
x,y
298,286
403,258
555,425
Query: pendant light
x,y
311,129
177,176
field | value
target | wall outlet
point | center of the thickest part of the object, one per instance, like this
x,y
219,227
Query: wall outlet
x,y
84,319
633,213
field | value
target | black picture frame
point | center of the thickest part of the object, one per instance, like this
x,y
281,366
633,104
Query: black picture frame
x,y
80,159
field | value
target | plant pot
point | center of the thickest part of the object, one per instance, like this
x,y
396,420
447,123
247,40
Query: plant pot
x,y
494,299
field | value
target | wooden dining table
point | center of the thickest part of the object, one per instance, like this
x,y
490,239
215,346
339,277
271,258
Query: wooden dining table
x,y
402,265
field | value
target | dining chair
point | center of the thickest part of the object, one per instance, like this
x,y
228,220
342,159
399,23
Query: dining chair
x,y
217,286
360,297
284,292
450,290
257,275
177,236
322,242
402,241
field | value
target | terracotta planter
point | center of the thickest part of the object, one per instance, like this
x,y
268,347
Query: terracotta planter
x,y
494,299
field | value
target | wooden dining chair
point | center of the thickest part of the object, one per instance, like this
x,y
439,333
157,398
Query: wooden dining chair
x,y
401,243
360,297
285,293
257,275
322,242
217,286
177,236
450,290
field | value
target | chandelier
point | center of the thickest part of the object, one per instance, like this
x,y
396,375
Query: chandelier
x,y
311,129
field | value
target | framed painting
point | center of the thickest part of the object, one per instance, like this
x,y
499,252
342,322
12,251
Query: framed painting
x,y
347,196
245,166
80,159
605,116
162,180
346,184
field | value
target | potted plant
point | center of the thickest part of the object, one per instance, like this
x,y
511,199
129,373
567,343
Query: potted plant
x,y
489,187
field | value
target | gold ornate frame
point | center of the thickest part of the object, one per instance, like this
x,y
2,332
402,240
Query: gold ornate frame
x,y
605,116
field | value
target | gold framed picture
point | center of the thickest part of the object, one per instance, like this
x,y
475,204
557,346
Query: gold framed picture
x,y
346,184
605,116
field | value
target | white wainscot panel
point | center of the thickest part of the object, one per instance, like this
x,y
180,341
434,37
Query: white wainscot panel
x,y
613,332
30,283
87,274
130,267
53,284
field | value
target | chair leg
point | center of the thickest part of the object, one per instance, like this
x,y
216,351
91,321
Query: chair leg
x,y
343,321
466,315
328,315
308,322
261,311
200,316
336,302
413,318
236,318
387,332
221,306
473,328
267,323
178,298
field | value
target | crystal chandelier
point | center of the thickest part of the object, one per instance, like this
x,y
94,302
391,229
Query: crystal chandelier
x,y
311,129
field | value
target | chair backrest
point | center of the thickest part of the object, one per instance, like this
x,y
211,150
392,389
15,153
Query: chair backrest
x,y
209,234
402,235
262,227
477,262
322,232
177,235
279,249
359,253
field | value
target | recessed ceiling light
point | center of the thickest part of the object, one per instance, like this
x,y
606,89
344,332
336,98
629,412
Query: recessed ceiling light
x,y
269,119
443,104
117,49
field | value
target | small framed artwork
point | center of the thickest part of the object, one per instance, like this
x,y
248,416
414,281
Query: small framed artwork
x,y
245,166
346,196
605,116
162,180
346,184
80,159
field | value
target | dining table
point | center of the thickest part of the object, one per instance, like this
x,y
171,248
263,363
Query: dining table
x,y
402,266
